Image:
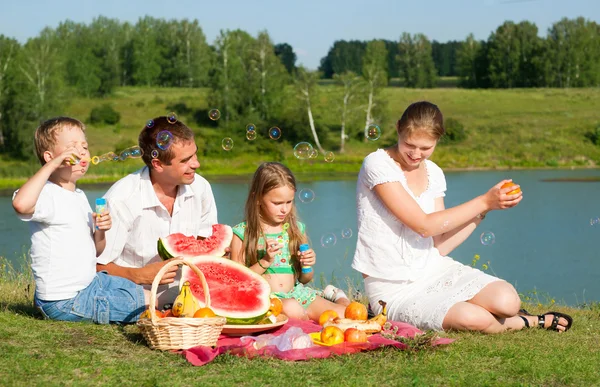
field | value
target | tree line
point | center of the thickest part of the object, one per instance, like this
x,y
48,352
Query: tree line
x,y
251,79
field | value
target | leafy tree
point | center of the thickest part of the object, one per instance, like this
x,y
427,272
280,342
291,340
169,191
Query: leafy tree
x,y
444,57
415,61
109,39
343,56
287,56
186,55
374,73
8,52
574,53
146,53
271,74
42,66
467,61
350,83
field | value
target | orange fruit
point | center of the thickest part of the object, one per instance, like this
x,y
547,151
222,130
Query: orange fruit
x,y
168,313
356,311
353,335
510,184
332,335
328,315
204,312
276,306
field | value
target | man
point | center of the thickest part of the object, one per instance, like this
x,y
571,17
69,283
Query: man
x,y
164,197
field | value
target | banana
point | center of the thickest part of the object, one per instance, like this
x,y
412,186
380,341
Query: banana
x,y
185,305
381,318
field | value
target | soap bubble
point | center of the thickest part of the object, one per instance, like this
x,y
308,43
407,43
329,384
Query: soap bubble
x,y
154,153
487,238
594,221
164,138
110,156
346,233
214,114
275,133
306,195
250,128
303,150
150,124
124,154
328,240
373,132
251,135
329,157
135,152
172,118
227,143
314,154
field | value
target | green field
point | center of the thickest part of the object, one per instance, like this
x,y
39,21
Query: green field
x,y
38,352
517,128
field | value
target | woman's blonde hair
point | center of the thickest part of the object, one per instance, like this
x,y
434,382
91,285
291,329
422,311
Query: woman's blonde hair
x,y
423,117
267,177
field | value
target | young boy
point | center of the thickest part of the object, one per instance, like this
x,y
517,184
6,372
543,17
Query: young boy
x,y
66,236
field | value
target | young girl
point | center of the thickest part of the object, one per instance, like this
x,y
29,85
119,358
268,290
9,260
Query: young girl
x,y
269,242
405,234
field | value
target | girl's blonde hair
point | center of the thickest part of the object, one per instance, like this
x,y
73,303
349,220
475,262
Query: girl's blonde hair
x,y
423,117
267,177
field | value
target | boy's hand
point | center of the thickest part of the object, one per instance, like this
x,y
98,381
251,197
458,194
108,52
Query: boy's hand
x,y
102,221
308,257
65,159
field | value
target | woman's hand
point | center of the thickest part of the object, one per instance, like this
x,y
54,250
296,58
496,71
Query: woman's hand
x,y
497,197
308,257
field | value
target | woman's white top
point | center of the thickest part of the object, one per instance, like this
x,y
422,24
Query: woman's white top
x,y
386,247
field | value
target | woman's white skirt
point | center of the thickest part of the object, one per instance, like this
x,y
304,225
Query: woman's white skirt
x,y
424,303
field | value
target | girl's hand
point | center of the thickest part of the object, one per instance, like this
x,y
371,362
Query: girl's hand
x,y
102,221
498,198
308,257
273,248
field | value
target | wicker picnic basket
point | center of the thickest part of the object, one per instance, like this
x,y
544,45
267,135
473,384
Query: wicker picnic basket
x,y
170,333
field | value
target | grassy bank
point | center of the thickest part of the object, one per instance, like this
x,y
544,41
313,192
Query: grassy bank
x,y
519,128
39,352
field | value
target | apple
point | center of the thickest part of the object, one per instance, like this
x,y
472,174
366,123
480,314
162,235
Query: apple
x,y
353,335
328,315
356,311
332,335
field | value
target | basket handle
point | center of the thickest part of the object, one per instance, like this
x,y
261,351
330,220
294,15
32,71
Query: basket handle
x,y
159,275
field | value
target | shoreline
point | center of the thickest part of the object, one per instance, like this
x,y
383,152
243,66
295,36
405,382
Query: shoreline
x,y
108,180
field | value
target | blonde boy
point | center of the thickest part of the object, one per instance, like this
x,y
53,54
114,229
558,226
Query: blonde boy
x,y
66,236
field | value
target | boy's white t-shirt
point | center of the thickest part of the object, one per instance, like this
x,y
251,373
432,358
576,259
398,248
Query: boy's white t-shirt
x,y
63,253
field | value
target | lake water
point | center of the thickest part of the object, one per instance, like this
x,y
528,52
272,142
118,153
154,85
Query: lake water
x,y
546,244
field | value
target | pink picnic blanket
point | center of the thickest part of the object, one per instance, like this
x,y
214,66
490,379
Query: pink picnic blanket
x,y
234,345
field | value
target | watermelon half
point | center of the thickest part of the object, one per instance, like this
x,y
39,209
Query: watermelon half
x,y
236,292
179,245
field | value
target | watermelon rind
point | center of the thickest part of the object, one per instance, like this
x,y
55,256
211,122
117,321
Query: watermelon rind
x,y
214,245
230,289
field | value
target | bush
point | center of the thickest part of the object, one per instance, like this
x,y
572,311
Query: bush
x,y
455,131
594,135
104,114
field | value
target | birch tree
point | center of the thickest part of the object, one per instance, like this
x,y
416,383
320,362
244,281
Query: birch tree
x,y
305,83
374,73
350,83
8,51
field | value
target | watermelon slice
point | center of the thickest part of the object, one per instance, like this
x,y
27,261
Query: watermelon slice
x,y
179,245
236,292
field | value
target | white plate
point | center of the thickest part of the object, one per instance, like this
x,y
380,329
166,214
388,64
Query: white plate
x,y
243,330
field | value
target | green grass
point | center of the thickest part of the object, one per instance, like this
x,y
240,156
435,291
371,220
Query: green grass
x,y
517,128
41,352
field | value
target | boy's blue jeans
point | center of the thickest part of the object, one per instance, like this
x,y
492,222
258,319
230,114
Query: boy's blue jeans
x,y
107,299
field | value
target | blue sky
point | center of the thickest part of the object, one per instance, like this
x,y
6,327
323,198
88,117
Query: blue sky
x,y
310,26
